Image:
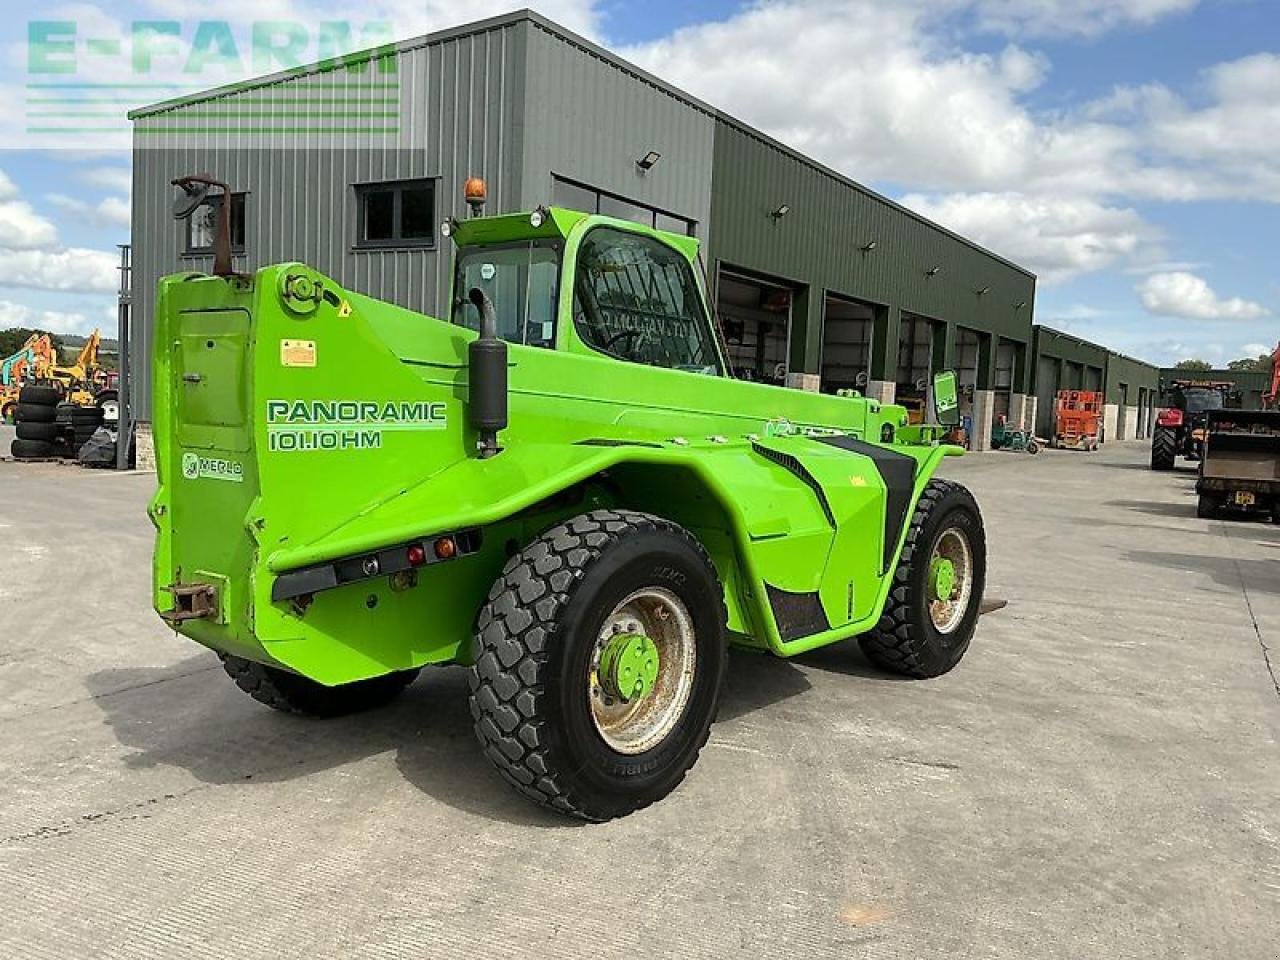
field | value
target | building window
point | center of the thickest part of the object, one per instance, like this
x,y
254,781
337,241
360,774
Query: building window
x,y
576,196
399,214
202,227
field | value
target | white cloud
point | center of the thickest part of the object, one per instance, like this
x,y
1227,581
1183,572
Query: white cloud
x,y
1056,238
1082,17
109,212
1255,349
54,321
1190,297
21,228
68,269
119,179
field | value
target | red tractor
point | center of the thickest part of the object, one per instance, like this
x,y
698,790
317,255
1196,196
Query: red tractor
x,y
1180,425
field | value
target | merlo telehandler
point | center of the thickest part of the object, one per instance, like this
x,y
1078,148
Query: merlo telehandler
x,y
560,486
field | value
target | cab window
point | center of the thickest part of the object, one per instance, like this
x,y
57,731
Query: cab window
x,y
636,299
521,279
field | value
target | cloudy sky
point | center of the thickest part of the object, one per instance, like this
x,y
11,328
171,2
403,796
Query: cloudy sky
x,y
1127,151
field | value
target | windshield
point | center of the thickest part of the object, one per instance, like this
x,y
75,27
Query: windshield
x,y
636,299
1200,400
522,280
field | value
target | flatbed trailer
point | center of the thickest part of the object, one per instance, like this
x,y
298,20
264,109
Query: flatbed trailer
x,y
1240,469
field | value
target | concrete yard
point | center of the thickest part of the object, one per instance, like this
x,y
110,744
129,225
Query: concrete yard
x,y
1098,778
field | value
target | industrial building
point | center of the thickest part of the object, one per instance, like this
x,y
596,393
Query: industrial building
x,y
820,283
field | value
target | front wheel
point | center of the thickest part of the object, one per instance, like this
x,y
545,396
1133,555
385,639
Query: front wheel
x,y
599,657
932,610
1164,449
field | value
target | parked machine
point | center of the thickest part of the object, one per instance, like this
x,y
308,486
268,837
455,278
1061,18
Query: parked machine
x,y
1077,419
1180,426
558,486
1240,469
1005,437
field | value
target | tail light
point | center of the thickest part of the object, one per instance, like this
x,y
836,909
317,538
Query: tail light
x,y
1169,418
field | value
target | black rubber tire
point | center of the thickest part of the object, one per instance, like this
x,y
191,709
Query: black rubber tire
x,y
1164,449
34,413
1207,507
291,693
62,412
46,396
534,640
905,640
1032,447
44,432
31,449
86,415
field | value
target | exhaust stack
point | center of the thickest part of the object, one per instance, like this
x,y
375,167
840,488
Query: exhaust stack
x,y
487,378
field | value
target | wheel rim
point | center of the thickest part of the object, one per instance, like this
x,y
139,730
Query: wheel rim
x,y
950,579
111,410
635,701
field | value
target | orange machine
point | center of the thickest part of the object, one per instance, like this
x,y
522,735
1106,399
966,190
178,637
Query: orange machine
x,y
1077,418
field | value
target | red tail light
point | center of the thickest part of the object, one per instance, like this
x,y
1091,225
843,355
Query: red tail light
x,y
1169,418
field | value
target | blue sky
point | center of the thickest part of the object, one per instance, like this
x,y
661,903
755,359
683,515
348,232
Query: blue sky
x,y
1128,151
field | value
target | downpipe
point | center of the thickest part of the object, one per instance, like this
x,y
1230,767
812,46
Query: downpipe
x,y
487,378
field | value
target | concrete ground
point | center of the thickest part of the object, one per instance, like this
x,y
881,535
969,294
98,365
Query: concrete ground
x,y
1098,778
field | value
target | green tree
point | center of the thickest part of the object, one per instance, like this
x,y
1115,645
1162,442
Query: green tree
x,y
1258,364
11,340
1193,365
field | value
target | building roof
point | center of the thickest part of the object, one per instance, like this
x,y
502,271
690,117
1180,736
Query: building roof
x,y
504,20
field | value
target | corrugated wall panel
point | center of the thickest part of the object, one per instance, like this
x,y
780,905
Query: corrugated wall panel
x,y
819,241
589,119
458,102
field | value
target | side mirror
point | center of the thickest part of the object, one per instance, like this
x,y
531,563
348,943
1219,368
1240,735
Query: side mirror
x,y
946,401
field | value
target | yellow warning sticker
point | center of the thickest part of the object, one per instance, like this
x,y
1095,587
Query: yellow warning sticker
x,y
344,310
297,353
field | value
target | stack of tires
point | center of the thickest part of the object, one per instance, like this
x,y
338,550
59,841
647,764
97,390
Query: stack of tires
x,y
84,422
39,433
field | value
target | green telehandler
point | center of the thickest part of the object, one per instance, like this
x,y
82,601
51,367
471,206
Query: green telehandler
x,y
560,486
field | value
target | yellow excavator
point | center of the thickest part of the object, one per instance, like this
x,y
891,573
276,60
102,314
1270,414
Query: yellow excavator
x,y
83,382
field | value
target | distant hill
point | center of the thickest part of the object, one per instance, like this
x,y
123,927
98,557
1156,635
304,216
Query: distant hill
x,y
107,346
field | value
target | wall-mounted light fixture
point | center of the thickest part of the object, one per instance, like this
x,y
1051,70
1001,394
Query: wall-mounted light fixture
x,y
933,271
781,212
982,291
649,160
869,246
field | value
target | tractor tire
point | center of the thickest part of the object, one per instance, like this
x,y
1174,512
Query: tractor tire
x,y
546,706
35,413
31,450
44,432
81,416
1164,449
44,396
909,639
62,412
1207,507
1033,447
291,693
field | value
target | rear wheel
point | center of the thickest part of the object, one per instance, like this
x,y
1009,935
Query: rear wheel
x,y
1164,449
599,657
108,402
932,610
291,693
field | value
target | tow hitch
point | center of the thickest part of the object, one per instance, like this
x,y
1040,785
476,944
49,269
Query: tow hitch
x,y
192,601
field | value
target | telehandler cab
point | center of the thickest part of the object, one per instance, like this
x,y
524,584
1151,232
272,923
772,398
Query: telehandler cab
x,y
560,486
